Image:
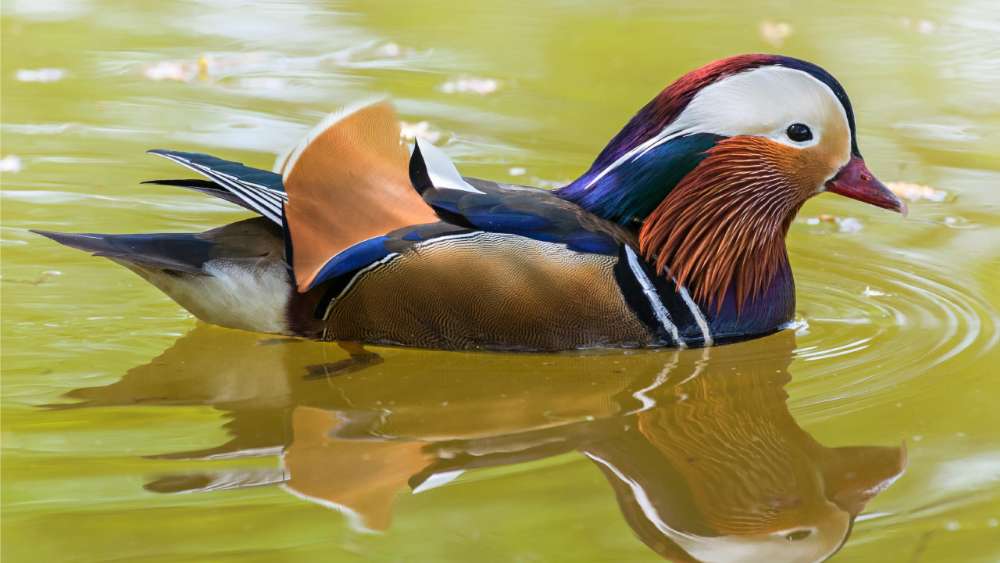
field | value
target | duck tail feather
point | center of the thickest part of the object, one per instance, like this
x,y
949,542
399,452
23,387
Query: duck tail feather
x,y
180,252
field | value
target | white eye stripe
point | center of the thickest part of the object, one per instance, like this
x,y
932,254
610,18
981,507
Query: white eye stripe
x,y
764,102
761,102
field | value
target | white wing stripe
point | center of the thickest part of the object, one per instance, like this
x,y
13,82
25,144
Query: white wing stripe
x,y
271,194
635,153
272,204
233,182
264,207
264,200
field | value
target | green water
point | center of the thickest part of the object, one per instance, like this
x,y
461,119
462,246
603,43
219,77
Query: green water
x,y
174,441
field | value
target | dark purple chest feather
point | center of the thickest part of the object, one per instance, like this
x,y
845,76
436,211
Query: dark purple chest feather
x,y
770,311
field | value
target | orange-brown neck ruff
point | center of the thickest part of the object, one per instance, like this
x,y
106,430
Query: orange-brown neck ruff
x,y
724,224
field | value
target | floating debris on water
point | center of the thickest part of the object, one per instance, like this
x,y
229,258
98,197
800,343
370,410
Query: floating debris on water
x,y
166,71
925,27
180,71
820,219
418,130
517,171
470,85
774,33
917,192
955,222
843,224
389,50
45,276
269,71
371,52
849,225
10,163
261,65
40,74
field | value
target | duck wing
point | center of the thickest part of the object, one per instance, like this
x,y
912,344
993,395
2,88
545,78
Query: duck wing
x,y
463,205
348,196
505,208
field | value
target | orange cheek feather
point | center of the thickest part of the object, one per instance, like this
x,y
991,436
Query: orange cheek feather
x,y
724,224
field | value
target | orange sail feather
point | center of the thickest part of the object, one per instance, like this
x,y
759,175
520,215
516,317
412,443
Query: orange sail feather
x,y
346,183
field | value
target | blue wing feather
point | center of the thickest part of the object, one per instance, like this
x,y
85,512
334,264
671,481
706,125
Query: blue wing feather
x,y
353,259
528,212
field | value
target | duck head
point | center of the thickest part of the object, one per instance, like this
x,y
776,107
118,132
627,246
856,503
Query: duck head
x,y
711,172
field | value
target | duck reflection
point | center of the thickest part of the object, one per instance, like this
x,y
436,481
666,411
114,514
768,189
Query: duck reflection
x,y
699,447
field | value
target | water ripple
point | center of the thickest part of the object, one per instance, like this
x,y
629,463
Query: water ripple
x,y
880,323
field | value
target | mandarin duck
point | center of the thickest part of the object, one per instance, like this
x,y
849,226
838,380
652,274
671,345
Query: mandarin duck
x,y
673,237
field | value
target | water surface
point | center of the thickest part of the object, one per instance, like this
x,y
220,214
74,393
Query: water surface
x,y
132,432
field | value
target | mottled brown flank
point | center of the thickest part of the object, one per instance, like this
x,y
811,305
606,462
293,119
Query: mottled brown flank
x,y
725,222
489,291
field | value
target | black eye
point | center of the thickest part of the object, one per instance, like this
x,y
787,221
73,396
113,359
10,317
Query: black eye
x,y
799,132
